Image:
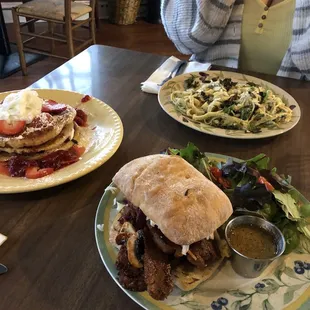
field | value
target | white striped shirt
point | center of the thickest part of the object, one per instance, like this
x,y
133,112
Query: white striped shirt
x,y
210,30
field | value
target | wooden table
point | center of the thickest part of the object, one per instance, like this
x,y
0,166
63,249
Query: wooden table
x,y
51,250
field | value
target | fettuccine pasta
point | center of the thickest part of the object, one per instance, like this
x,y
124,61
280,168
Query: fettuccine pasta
x,y
231,105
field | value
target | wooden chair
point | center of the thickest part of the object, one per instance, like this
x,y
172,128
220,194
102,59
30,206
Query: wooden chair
x,y
97,9
65,12
30,26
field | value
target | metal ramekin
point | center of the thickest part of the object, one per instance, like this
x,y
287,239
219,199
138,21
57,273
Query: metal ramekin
x,y
249,267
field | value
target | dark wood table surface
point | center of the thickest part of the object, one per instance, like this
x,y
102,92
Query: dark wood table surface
x,y
51,250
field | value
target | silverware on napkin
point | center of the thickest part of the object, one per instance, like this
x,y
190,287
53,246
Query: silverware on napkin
x,y
175,70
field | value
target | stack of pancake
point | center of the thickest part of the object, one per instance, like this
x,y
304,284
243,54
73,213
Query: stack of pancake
x,y
47,133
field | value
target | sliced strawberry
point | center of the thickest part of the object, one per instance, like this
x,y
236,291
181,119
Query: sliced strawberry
x,y
54,108
51,101
81,118
85,98
80,150
36,172
4,169
12,127
82,115
80,121
58,159
18,165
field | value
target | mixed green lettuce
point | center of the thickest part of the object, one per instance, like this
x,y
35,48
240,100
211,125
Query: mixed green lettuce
x,y
252,186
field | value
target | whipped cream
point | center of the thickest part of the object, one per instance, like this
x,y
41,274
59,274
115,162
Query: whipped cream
x,y
21,106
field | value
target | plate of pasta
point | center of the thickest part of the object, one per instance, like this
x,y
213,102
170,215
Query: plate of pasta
x,y
229,104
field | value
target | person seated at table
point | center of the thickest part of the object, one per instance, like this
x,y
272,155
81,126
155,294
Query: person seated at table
x,y
267,36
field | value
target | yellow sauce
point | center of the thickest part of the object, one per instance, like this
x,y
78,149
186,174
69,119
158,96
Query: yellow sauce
x,y
252,241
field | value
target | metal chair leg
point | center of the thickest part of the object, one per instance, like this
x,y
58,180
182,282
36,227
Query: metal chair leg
x,y
19,42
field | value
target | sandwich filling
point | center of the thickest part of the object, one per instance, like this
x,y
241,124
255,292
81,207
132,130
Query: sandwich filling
x,y
146,256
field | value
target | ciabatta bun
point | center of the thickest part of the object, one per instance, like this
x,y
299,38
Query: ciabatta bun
x,y
183,203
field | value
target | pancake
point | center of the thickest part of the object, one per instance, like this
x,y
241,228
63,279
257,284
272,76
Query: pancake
x,y
64,146
43,128
66,134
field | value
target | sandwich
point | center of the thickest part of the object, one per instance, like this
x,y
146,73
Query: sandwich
x,y
166,225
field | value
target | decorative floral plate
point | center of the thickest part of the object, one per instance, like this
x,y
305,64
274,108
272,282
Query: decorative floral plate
x,y
285,284
102,138
177,83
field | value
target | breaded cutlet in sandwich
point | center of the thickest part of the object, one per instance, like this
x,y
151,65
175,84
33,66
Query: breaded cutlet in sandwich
x,y
166,231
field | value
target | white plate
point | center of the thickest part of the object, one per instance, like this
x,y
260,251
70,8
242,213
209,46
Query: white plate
x,y
105,135
177,83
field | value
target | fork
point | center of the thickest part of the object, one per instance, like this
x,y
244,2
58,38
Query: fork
x,y
177,67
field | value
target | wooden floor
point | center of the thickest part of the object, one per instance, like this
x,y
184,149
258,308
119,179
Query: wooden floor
x,y
142,36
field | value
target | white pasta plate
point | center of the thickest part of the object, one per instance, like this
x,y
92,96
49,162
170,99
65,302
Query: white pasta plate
x,y
177,84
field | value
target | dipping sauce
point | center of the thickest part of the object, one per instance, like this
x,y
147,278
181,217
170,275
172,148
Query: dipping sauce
x,y
252,241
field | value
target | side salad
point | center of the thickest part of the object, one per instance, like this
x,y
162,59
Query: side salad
x,y
252,186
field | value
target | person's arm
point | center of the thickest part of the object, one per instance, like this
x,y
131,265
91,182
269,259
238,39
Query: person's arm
x,y
194,25
296,62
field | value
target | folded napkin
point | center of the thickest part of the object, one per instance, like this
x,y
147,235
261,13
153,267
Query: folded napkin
x,y
2,238
152,84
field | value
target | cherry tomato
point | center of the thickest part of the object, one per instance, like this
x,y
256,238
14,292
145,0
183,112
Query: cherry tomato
x,y
224,182
262,180
216,172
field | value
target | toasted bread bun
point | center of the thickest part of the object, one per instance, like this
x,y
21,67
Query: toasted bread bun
x,y
187,276
183,203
